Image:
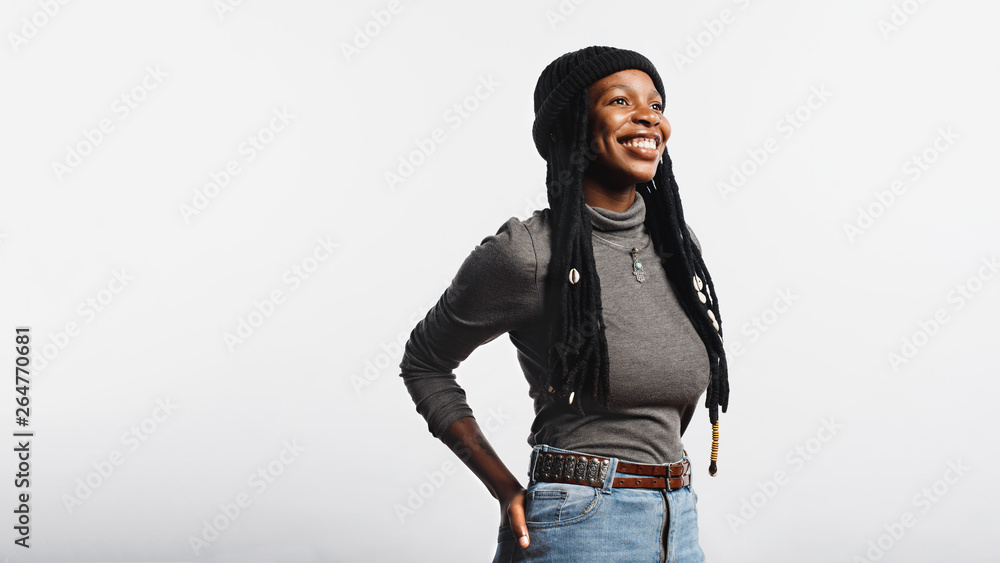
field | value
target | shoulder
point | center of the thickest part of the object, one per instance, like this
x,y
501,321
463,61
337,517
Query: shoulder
x,y
509,255
499,280
538,224
539,228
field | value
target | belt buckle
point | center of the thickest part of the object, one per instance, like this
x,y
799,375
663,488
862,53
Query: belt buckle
x,y
570,468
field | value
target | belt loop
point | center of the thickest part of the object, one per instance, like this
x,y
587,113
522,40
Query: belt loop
x,y
690,471
532,459
609,479
535,452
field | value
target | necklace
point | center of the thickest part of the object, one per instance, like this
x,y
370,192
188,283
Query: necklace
x,y
636,264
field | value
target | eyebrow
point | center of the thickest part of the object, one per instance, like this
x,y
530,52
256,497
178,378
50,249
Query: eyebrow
x,y
627,88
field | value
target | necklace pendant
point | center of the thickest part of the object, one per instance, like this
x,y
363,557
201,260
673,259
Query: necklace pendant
x,y
637,266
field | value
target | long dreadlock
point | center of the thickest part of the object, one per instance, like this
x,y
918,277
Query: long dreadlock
x,y
578,356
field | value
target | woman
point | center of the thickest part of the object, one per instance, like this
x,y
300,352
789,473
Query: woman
x,y
616,324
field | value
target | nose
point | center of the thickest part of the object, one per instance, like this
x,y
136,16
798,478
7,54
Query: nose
x,y
647,116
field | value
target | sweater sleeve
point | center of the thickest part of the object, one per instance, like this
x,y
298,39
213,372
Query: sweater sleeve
x,y
494,292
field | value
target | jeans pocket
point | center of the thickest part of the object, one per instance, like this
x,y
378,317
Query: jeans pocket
x,y
505,545
548,505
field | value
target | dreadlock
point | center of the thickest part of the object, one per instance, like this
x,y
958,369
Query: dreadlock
x,y
578,355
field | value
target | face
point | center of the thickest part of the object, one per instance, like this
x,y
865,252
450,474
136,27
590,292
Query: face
x,y
627,129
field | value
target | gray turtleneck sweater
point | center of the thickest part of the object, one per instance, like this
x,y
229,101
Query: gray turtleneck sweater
x,y
658,365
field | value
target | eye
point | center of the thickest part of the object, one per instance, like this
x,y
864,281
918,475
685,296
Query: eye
x,y
619,98
658,107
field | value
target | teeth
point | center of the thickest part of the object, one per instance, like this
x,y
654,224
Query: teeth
x,y
642,143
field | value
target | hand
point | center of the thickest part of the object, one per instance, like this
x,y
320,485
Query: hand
x,y
512,512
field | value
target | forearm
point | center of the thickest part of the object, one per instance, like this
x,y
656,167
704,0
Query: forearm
x,y
467,441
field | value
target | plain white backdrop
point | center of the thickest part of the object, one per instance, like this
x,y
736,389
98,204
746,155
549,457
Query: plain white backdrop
x,y
221,220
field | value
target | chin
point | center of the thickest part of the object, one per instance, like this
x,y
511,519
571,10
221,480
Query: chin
x,y
645,176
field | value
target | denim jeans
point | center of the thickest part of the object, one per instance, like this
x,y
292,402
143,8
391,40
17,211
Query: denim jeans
x,y
568,522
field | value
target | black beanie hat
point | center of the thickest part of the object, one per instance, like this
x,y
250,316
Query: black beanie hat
x,y
566,76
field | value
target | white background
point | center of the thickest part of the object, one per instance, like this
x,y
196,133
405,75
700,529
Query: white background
x,y
319,371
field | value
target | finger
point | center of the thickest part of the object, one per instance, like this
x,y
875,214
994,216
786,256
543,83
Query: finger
x,y
517,524
521,532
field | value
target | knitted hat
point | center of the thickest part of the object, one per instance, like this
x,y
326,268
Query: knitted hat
x,y
566,76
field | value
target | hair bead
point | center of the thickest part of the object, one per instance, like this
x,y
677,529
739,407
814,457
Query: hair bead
x,y
712,467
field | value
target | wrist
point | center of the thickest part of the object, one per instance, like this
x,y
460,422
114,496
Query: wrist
x,y
507,489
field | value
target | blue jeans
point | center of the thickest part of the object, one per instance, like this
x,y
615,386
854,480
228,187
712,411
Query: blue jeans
x,y
569,522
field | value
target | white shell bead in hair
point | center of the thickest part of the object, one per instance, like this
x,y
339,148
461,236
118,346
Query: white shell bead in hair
x,y
698,283
574,276
571,396
715,323
702,297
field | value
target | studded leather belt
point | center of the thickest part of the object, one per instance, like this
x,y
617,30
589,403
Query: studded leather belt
x,y
592,470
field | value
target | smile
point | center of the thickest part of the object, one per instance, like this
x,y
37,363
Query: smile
x,y
642,145
640,142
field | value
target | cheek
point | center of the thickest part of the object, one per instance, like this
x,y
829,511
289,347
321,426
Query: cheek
x,y
602,141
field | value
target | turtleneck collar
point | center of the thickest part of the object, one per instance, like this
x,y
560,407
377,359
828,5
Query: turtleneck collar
x,y
628,223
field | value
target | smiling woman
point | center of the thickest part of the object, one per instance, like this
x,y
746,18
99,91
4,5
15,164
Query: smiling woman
x,y
616,323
